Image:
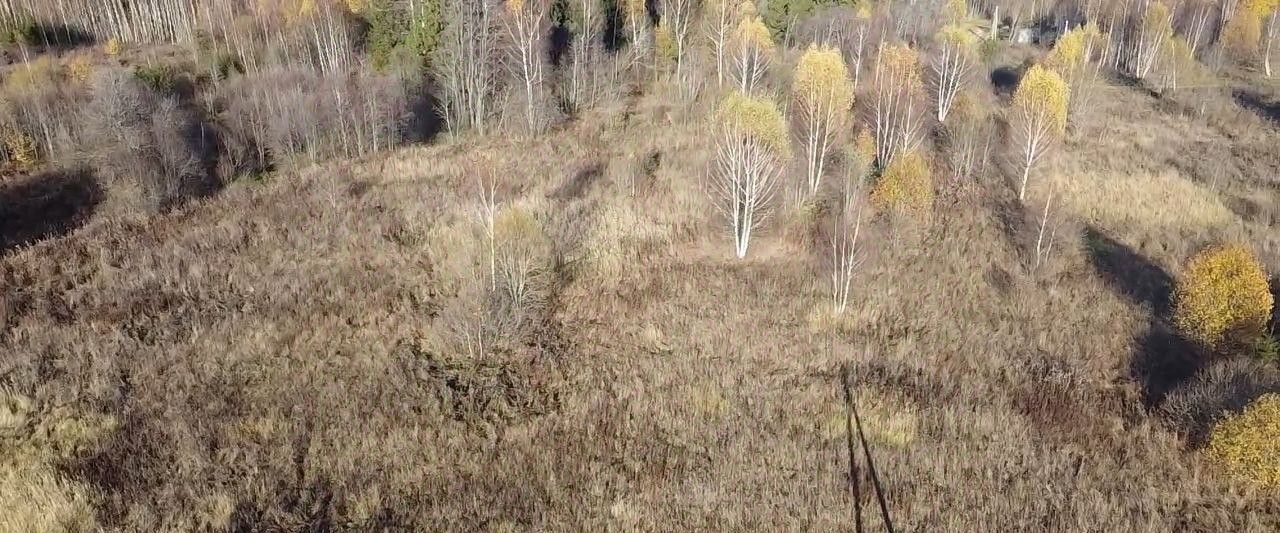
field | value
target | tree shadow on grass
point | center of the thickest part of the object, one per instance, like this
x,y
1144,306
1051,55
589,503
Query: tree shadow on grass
x,y
1164,358
1254,102
46,205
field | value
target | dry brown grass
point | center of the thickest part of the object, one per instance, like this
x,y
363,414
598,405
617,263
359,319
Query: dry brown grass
x,y
300,354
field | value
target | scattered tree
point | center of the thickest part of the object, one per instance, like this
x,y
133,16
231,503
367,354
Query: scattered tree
x,y
753,48
1148,40
897,91
824,96
464,65
751,152
1040,113
525,22
951,66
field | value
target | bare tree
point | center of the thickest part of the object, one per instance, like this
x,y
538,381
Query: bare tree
x,y
846,256
525,22
717,25
584,52
464,65
678,16
951,67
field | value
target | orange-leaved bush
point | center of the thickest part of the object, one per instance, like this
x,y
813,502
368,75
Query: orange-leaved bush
x,y
906,186
1248,444
1223,295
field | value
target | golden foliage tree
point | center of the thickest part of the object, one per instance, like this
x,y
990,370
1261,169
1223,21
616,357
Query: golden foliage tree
x,y
898,91
1248,444
753,47
751,151
823,93
1072,58
1223,295
1040,113
906,186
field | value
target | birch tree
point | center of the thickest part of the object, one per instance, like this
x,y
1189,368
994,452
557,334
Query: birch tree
x,y
1148,40
897,91
464,65
588,22
846,256
525,22
1072,58
753,48
1040,115
677,16
752,149
824,95
717,26
951,66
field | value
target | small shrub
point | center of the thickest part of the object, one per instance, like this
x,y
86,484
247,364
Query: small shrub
x,y
1223,296
1248,444
160,78
80,68
20,148
112,47
905,186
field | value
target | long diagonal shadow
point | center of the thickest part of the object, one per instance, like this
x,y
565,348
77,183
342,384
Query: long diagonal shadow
x,y
852,413
1164,358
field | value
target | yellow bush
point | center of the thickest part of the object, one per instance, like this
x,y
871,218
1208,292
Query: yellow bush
x,y
19,147
756,118
1223,293
1248,444
906,186
112,47
864,146
35,76
80,68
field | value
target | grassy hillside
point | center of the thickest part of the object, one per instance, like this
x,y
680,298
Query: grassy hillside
x,y
337,342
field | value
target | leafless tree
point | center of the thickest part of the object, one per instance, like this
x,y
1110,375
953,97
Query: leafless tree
x,y
525,22
465,63
717,25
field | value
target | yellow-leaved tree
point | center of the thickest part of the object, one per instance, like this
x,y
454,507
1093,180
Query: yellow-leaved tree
x,y
753,47
823,94
1223,297
898,92
954,57
1244,33
1248,444
752,149
1040,117
1072,58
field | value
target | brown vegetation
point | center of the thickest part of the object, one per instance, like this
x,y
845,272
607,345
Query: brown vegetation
x,y
243,286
